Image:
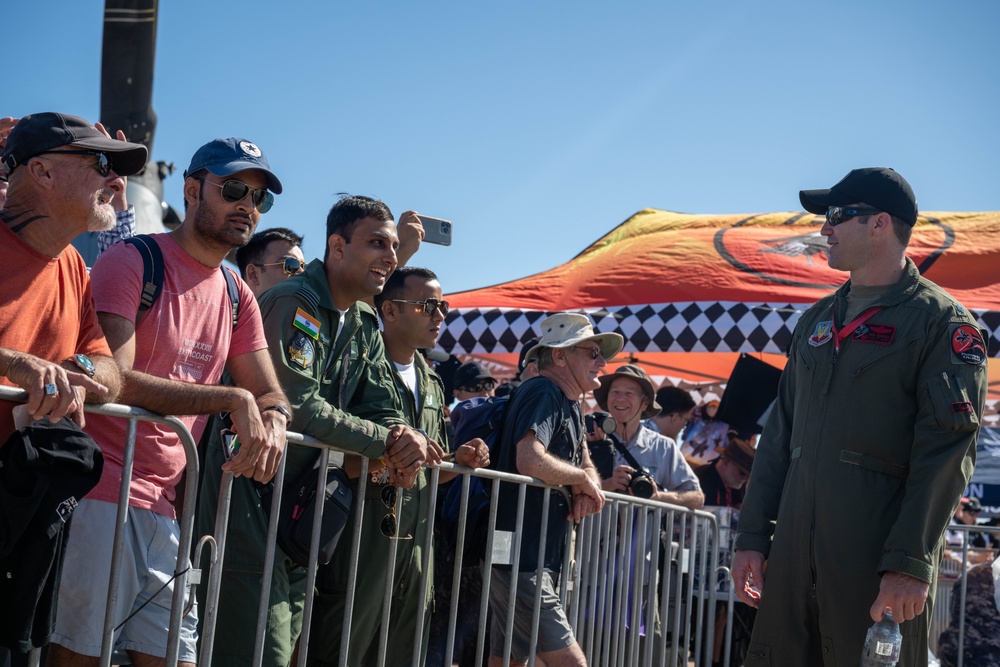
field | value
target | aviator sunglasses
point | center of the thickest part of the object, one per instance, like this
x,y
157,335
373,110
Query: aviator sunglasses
x,y
390,526
234,191
838,214
428,305
103,165
290,265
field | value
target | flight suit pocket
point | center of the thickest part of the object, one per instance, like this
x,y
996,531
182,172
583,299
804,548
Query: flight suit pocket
x,y
953,410
758,655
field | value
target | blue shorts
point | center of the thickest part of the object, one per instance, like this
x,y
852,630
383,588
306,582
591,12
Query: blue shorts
x,y
149,558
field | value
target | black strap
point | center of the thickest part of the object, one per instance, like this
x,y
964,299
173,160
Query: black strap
x,y
152,270
626,454
234,293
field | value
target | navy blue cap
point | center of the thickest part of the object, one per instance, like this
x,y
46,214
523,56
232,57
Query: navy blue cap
x,y
225,157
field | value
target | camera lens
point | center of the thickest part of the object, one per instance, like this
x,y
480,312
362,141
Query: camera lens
x,y
446,228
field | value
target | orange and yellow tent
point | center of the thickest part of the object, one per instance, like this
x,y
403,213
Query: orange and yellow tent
x,y
691,292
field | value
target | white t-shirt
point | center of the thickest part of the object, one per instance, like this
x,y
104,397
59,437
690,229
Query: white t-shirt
x,y
409,374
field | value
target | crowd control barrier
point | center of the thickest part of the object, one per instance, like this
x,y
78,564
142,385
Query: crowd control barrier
x,y
182,579
642,583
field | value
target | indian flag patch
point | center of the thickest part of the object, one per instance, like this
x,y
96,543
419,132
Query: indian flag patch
x,y
306,323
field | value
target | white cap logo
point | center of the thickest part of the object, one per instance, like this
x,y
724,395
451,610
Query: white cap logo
x,y
250,149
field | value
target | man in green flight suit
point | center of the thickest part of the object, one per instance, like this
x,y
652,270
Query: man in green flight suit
x,y
330,358
412,309
869,445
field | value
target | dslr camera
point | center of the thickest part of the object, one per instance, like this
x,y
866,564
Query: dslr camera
x,y
641,485
601,420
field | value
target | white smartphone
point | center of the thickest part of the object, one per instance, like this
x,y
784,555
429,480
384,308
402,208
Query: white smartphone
x,y
436,230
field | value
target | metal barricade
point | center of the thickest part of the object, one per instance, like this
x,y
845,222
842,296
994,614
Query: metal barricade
x,y
181,580
949,614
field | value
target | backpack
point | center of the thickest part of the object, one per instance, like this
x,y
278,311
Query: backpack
x,y
475,418
152,276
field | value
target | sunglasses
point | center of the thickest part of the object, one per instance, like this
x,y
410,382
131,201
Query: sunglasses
x,y
485,385
838,214
234,191
389,525
103,165
290,265
429,305
594,352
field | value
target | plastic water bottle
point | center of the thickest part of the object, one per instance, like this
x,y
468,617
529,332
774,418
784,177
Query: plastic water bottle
x,y
883,642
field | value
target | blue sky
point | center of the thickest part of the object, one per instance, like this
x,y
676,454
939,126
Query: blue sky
x,y
538,127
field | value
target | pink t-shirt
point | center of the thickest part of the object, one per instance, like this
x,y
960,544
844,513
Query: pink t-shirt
x,y
187,336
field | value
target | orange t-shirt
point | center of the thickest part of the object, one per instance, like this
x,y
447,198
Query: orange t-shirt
x,y
46,308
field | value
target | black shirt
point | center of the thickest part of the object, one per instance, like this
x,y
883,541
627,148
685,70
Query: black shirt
x,y
540,406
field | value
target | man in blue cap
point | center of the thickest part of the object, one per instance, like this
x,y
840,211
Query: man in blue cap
x,y
172,355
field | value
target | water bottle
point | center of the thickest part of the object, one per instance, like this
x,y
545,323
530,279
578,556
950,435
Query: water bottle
x,y
883,642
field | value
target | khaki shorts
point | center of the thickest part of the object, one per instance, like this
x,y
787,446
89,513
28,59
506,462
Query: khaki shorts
x,y
554,631
149,557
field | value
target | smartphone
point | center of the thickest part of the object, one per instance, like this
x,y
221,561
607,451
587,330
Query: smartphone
x,y
436,230
230,444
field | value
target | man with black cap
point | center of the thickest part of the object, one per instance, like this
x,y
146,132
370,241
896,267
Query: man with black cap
x,y
172,355
869,446
472,380
63,176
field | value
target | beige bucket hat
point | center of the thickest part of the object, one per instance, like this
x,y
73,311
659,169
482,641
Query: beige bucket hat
x,y
570,329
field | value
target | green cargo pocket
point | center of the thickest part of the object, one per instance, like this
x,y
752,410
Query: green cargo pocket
x,y
953,410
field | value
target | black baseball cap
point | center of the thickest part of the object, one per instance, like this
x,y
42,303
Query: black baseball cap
x,y
521,363
471,374
39,133
879,187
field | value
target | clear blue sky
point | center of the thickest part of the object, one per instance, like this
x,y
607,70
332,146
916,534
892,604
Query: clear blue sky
x,y
538,126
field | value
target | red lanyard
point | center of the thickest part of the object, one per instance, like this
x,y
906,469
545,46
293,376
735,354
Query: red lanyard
x,y
840,335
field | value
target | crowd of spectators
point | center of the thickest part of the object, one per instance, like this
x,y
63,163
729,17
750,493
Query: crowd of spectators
x,y
330,348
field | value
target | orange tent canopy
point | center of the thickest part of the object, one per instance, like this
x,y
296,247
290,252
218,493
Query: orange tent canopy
x,y
690,292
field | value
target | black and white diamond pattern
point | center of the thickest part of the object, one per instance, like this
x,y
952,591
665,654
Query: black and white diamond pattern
x,y
691,326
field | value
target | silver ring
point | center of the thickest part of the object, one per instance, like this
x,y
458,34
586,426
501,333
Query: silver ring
x,y
51,389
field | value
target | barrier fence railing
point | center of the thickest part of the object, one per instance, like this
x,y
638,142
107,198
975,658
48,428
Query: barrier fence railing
x,y
186,521
640,581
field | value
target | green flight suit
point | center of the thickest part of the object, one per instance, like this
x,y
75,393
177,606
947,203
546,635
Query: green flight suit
x,y
861,465
341,393
409,602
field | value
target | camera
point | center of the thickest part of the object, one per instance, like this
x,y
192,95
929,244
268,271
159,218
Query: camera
x,y
641,485
601,420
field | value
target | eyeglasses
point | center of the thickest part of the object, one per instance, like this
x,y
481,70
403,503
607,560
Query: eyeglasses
x,y
230,443
103,165
838,214
485,385
389,525
429,305
234,191
595,352
290,265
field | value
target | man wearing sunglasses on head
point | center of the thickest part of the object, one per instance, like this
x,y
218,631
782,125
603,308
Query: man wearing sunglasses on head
x,y
172,357
868,447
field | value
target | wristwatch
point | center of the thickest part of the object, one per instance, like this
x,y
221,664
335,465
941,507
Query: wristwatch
x,y
85,364
278,408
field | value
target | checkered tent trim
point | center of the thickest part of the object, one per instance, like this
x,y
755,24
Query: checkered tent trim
x,y
691,326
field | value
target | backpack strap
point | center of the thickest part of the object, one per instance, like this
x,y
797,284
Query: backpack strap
x,y
233,287
152,271
152,277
